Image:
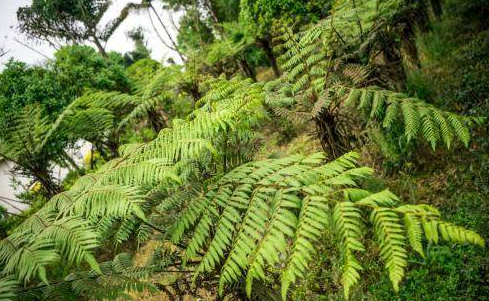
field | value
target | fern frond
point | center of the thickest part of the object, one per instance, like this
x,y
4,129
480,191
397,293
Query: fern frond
x,y
429,128
418,117
140,110
450,232
311,221
282,224
348,222
390,233
110,200
460,128
74,238
414,232
412,119
7,288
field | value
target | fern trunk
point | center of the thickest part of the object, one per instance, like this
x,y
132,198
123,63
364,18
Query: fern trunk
x,y
436,6
248,70
156,121
265,45
49,186
333,141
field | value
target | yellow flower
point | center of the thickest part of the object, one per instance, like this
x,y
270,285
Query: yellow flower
x,y
89,157
36,187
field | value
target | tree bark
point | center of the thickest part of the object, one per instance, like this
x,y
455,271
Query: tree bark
x,y
113,146
212,11
156,121
100,48
248,70
332,141
265,45
194,90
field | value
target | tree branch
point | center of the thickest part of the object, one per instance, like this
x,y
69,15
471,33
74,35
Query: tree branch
x,y
31,48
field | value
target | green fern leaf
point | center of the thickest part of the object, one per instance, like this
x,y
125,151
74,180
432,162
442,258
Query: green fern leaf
x,y
414,232
390,233
348,222
412,119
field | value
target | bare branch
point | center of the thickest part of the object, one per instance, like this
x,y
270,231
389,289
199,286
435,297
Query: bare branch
x,y
32,48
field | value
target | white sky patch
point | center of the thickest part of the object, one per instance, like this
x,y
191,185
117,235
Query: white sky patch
x,y
119,42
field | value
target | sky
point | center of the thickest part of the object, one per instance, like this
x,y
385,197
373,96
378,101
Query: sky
x,y
9,33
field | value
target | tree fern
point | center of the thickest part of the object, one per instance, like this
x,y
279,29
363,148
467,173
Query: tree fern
x,y
265,209
317,86
117,192
235,217
260,215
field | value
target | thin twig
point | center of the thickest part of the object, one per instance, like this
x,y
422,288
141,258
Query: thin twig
x,y
157,32
32,48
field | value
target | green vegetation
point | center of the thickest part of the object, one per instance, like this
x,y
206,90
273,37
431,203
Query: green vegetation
x,y
304,150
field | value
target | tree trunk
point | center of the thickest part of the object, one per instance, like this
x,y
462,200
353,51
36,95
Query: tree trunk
x,y
91,158
100,48
113,146
212,11
194,90
265,45
248,70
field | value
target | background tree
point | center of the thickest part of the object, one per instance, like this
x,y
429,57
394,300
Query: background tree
x,y
73,20
234,51
193,32
22,85
141,50
80,68
74,70
257,18
212,12
34,145
32,98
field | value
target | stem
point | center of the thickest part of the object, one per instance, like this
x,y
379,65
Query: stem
x,y
96,276
162,231
359,23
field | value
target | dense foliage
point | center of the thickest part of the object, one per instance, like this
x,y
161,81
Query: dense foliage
x,y
248,172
